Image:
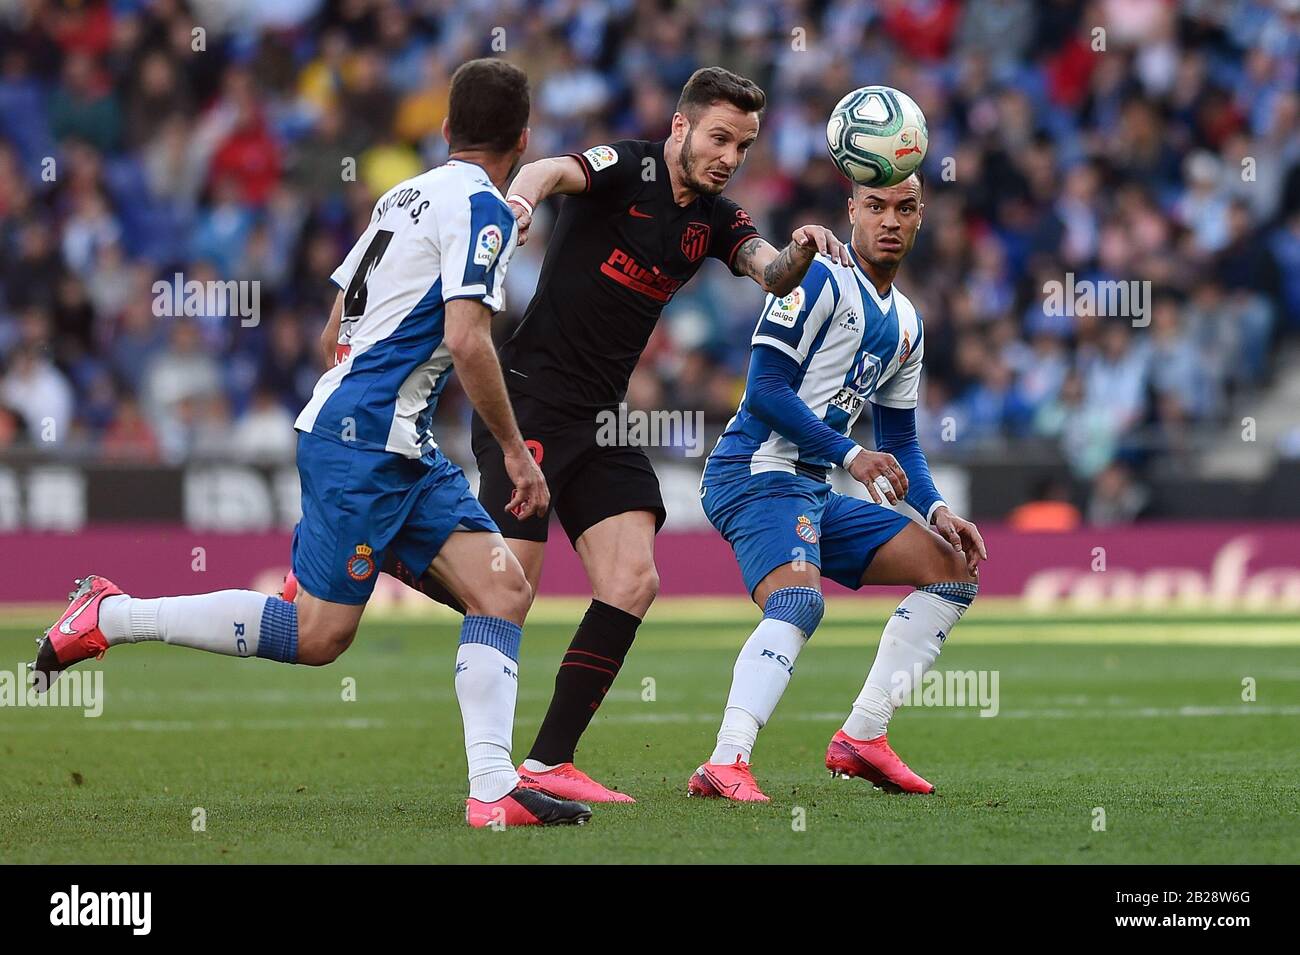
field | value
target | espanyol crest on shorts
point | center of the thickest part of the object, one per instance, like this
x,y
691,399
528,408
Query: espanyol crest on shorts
x,y
804,528
361,564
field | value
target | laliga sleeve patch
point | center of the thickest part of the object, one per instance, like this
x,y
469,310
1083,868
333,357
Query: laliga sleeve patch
x,y
601,157
487,245
785,311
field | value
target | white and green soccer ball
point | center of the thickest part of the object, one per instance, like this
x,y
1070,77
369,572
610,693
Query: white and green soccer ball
x,y
877,136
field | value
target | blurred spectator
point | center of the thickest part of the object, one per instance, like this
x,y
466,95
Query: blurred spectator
x,y
1115,375
129,437
90,228
1087,434
291,363
1116,497
177,377
264,435
246,161
84,105
1177,373
41,396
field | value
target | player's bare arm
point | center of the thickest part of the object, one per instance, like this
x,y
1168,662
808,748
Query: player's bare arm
x,y
962,534
469,339
779,272
536,181
329,338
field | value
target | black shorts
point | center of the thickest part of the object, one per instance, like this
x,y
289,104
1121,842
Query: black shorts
x,y
588,482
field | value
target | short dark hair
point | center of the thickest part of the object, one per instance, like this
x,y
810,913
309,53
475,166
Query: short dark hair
x,y
489,105
713,84
920,183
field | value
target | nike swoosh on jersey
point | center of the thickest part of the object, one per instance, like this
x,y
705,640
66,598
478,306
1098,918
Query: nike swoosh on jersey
x,y
638,215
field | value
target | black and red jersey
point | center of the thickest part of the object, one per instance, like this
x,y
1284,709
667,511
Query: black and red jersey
x,y
619,252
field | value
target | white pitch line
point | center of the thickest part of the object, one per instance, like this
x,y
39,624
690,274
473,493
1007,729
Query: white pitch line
x,y
968,712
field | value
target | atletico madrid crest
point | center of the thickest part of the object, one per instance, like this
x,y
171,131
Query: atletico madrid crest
x,y
695,241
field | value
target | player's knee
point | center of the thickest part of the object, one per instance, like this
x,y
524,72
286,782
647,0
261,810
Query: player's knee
x,y
509,597
320,645
945,564
648,583
800,607
633,588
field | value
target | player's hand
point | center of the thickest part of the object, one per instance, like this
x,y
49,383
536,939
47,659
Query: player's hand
x,y
531,496
816,238
962,535
523,219
869,466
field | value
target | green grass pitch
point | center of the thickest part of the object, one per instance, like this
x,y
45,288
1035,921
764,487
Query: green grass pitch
x,y
1141,719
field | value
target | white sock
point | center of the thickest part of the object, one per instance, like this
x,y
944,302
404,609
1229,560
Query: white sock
x,y
537,766
761,675
913,637
237,623
487,684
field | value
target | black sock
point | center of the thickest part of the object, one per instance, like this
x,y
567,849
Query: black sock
x,y
426,584
586,674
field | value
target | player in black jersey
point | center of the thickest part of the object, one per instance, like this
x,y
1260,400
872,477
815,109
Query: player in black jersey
x,y
638,221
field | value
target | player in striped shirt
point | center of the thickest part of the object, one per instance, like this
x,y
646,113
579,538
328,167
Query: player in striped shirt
x,y
416,294
845,336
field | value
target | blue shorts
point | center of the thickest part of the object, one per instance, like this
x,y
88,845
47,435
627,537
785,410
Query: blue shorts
x,y
358,504
775,518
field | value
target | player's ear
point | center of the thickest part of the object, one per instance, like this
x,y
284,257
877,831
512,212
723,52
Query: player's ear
x,y
680,126
446,130
522,145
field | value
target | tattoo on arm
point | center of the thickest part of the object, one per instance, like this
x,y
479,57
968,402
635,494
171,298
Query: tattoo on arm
x,y
783,273
776,272
761,262
744,261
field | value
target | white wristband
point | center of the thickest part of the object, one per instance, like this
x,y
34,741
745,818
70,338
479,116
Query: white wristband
x,y
516,197
853,453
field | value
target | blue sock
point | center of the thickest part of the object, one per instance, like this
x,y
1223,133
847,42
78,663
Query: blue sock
x,y
279,635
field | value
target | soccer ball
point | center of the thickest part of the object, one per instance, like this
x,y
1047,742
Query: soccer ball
x,y
877,136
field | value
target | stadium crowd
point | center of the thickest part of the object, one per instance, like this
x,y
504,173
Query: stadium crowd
x,y
1122,140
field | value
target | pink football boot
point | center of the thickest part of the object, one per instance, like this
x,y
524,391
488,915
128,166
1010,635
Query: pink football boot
x,y
567,781
75,636
525,807
875,762
734,781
